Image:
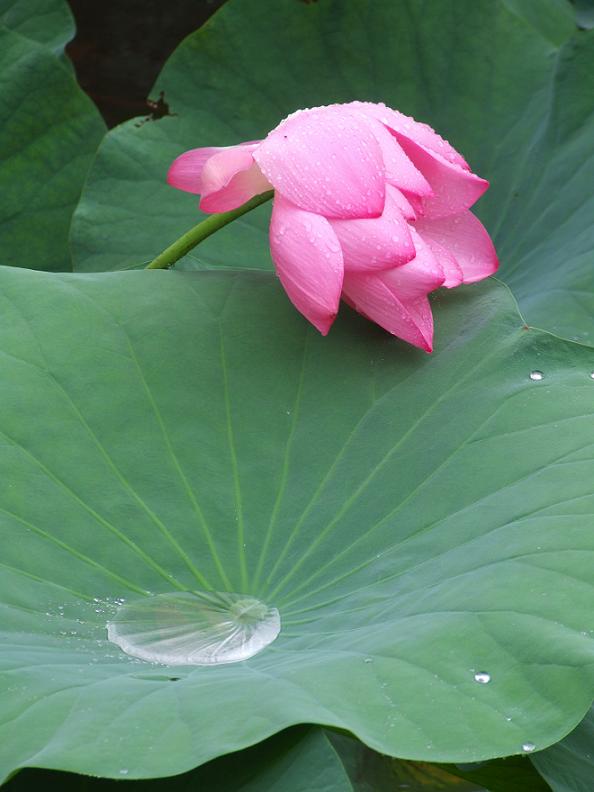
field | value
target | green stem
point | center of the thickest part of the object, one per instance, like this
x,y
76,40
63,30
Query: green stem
x,y
204,229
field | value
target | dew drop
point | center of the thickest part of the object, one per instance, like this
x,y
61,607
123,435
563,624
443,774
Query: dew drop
x,y
592,375
482,677
194,628
528,747
368,660
124,771
536,376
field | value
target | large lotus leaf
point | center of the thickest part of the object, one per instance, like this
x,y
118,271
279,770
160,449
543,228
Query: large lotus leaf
x,y
48,22
569,765
298,760
49,131
518,106
301,759
417,520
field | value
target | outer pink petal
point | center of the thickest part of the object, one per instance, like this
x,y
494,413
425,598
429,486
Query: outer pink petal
x,y
308,261
376,243
410,320
184,173
465,238
421,133
399,169
325,161
230,178
455,189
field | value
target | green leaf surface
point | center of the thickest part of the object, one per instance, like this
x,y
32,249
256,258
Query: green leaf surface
x,y
49,132
416,519
516,104
48,22
301,759
553,19
568,766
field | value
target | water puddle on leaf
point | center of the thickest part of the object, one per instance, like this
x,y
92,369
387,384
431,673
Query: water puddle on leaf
x,y
194,628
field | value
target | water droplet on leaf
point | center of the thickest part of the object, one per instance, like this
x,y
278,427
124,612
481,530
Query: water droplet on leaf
x,y
482,677
536,376
194,628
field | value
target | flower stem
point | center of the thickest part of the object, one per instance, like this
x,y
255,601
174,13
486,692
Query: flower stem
x,y
204,229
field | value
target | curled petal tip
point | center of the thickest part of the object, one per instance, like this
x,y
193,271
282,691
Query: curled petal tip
x,y
185,171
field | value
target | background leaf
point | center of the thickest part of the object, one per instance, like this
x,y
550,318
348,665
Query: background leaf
x,y
515,774
47,22
584,13
49,131
568,766
554,19
518,105
416,519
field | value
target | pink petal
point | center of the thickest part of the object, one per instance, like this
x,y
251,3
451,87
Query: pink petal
x,y
465,238
404,204
308,261
396,299
418,277
451,269
184,173
421,133
399,169
325,161
455,189
377,242
230,178
415,202
410,320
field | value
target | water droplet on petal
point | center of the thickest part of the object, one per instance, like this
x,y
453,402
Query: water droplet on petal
x,y
482,677
536,376
194,628
528,747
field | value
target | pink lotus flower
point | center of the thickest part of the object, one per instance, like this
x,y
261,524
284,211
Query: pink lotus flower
x,y
370,205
